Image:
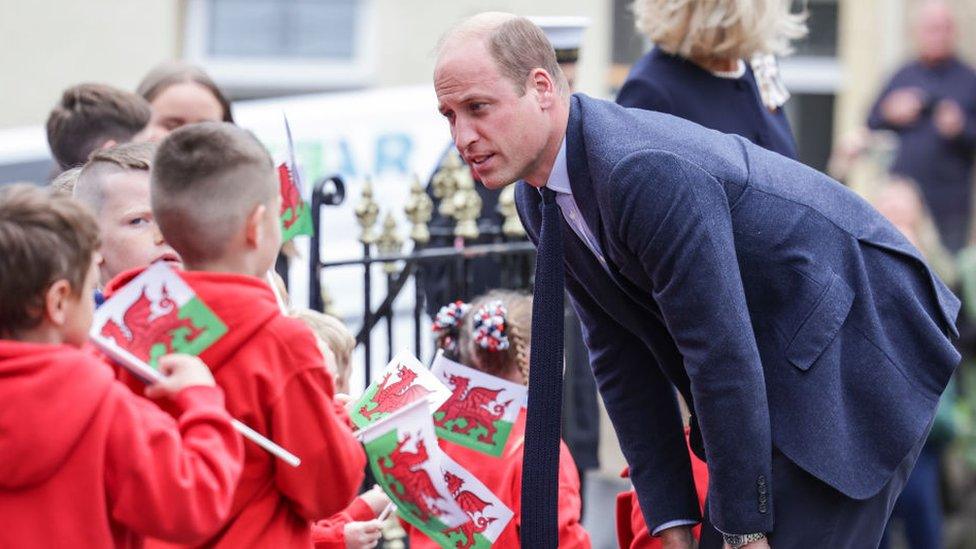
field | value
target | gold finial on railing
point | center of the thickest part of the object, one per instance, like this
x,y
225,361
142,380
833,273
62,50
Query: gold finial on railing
x,y
512,226
389,242
419,209
467,207
445,182
366,213
328,303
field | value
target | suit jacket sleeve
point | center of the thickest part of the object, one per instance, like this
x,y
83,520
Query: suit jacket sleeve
x,y
173,480
642,405
305,422
675,218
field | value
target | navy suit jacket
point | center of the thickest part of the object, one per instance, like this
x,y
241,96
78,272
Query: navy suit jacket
x,y
785,310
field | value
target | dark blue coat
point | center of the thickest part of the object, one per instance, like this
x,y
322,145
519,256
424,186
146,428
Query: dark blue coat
x,y
785,310
673,85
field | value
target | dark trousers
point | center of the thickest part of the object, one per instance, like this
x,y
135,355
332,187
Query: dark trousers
x,y
811,514
919,508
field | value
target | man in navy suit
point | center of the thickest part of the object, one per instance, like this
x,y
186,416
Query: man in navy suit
x,y
808,337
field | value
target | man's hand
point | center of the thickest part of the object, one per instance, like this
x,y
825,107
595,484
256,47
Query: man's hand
x,y
179,372
679,537
761,544
949,118
901,107
363,535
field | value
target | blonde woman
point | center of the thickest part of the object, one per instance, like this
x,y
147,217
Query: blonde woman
x,y
713,63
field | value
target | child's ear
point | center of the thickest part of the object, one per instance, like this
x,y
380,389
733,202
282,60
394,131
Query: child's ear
x,y
254,228
56,302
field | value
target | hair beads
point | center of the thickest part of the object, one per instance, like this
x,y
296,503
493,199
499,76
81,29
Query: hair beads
x,y
489,327
447,323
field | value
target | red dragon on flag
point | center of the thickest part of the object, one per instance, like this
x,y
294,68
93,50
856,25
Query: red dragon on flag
x,y
477,406
150,327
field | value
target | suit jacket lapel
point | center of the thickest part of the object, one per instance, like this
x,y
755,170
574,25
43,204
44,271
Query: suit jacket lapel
x,y
579,172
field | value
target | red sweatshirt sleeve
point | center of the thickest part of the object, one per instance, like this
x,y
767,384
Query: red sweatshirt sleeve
x,y
304,420
571,532
172,479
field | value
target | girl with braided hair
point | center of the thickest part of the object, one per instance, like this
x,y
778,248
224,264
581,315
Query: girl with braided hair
x,y
492,334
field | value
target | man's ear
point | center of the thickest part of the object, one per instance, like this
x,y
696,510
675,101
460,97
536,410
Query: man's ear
x,y
254,227
56,302
544,86
109,144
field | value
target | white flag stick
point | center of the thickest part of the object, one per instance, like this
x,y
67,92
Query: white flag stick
x,y
149,375
387,511
278,297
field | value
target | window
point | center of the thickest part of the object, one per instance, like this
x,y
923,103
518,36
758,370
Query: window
x,y
258,47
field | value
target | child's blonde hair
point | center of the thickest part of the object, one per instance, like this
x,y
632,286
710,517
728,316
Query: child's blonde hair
x,y
478,351
336,336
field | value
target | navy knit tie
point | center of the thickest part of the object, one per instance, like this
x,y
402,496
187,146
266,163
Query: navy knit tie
x,y
540,466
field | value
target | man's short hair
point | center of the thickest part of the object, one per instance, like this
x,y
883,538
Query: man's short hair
x,y
44,237
516,45
206,179
88,115
126,157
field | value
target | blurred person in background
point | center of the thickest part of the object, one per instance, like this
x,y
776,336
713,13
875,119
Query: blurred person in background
x,y
919,507
89,117
713,63
930,103
182,94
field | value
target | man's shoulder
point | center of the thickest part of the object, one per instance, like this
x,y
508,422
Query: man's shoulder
x,y
615,137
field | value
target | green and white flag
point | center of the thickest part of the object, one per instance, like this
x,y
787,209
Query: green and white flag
x,y
487,515
404,381
155,314
406,462
481,410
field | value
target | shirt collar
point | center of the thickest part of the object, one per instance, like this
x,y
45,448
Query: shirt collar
x,y
559,176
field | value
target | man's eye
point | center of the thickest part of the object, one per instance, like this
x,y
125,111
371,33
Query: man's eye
x,y
477,107
136,221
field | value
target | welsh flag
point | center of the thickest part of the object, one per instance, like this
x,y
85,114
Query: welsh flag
x,y
407,462
296,216
156,314
404,381
487,515
481,410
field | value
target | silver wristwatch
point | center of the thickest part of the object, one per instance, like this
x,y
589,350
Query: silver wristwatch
x,y
736,541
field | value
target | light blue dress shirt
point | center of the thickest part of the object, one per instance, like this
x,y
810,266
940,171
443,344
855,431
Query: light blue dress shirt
x,y
559,183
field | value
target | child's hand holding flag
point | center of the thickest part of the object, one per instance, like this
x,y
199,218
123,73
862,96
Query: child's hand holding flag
x,y
179,372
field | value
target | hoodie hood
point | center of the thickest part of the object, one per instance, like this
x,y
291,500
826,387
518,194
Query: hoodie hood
x,y
50,395
243,303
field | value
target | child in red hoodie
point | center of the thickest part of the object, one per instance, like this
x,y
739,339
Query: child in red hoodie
x,y
86,463
214,194
507,359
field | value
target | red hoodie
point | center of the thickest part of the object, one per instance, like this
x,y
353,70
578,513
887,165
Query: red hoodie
x,y
503,476
86,463
274,376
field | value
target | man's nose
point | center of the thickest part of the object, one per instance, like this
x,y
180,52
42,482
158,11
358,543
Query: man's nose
x,y
464,135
